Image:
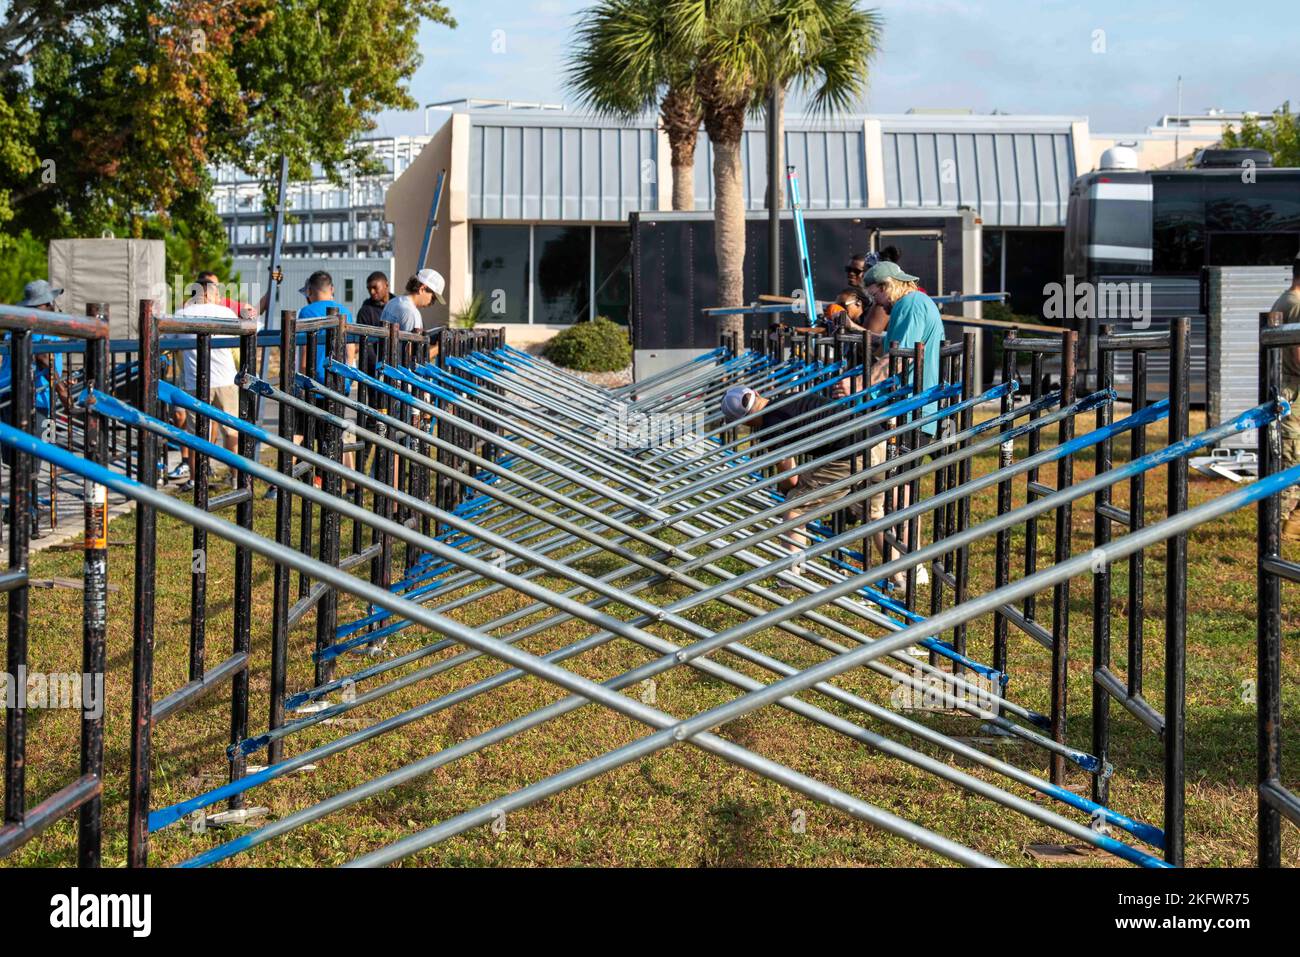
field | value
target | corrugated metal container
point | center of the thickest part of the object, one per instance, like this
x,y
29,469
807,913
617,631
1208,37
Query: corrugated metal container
x,y
1171,298
1236,295
349,277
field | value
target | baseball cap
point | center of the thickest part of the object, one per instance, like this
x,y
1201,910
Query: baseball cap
x,y
737,402
38,292
433,279
886,270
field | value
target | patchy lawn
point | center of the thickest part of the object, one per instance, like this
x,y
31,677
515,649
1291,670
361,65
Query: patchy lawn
x,y
680,807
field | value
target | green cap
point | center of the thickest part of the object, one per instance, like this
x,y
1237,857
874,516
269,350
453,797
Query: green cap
x,y
886,270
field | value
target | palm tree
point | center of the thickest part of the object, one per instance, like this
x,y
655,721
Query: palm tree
x,y
753,49
630,56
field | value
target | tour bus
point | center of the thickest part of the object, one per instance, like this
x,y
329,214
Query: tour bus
x,y
1140,242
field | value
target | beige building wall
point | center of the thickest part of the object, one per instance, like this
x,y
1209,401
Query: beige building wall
x,y
406,206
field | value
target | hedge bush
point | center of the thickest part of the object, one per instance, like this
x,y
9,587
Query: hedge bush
x,y
596,346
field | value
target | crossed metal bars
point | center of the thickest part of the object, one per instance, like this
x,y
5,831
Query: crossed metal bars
x,y
545,485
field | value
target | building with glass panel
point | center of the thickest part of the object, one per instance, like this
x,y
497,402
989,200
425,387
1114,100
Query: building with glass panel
x,y
536,203
535,207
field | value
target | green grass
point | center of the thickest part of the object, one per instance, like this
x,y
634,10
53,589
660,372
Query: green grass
x,y
680,807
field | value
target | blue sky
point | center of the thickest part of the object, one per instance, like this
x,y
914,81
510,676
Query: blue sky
x,y
1114,61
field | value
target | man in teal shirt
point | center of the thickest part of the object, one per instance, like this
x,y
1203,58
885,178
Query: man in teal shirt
x,y
913,318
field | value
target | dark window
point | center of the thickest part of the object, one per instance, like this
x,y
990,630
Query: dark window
x,y
1178,224
1035,257
992,268
1224,219
1252,249
1270,204
563,273
501,272
613,254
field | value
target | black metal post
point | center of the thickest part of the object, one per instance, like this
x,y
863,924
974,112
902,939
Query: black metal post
x,y
241,640
146,543
283,536
21,401
1268,649
94,627
199,546
1176,597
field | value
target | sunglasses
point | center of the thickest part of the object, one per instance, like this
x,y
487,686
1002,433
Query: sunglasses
x,y
854,270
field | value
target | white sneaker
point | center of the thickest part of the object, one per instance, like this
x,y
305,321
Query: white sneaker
x,y
922,576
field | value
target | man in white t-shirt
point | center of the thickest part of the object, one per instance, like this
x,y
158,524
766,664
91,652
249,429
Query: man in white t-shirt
x,y
222,369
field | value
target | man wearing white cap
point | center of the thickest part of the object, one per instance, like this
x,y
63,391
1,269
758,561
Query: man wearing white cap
x,y
422,289
744,405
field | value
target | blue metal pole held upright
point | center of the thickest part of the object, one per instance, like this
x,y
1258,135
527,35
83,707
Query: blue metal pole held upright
x,y
801,238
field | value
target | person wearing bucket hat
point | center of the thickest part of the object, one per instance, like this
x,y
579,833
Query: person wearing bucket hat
x,y
47,380
913,317
39,294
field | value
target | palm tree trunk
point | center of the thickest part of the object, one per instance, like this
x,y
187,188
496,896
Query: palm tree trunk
x,y
729,226
679,113
684,176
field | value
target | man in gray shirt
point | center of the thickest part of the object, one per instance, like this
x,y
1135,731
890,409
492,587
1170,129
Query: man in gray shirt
x,y
421,290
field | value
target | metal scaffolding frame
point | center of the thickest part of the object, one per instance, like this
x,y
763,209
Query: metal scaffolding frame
x,y
489,470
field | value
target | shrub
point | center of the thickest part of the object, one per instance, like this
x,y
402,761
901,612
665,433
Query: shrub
x,y
468,317
596,346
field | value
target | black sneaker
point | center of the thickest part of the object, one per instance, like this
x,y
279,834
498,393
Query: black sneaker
x,y
186,486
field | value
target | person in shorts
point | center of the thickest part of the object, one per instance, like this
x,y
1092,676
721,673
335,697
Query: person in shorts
x,y
224,367
811,488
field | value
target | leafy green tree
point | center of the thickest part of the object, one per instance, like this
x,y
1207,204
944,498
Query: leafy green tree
x,y
1280,135
22,259
113,114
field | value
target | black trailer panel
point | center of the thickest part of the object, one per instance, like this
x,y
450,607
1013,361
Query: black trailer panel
x,y
674,268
